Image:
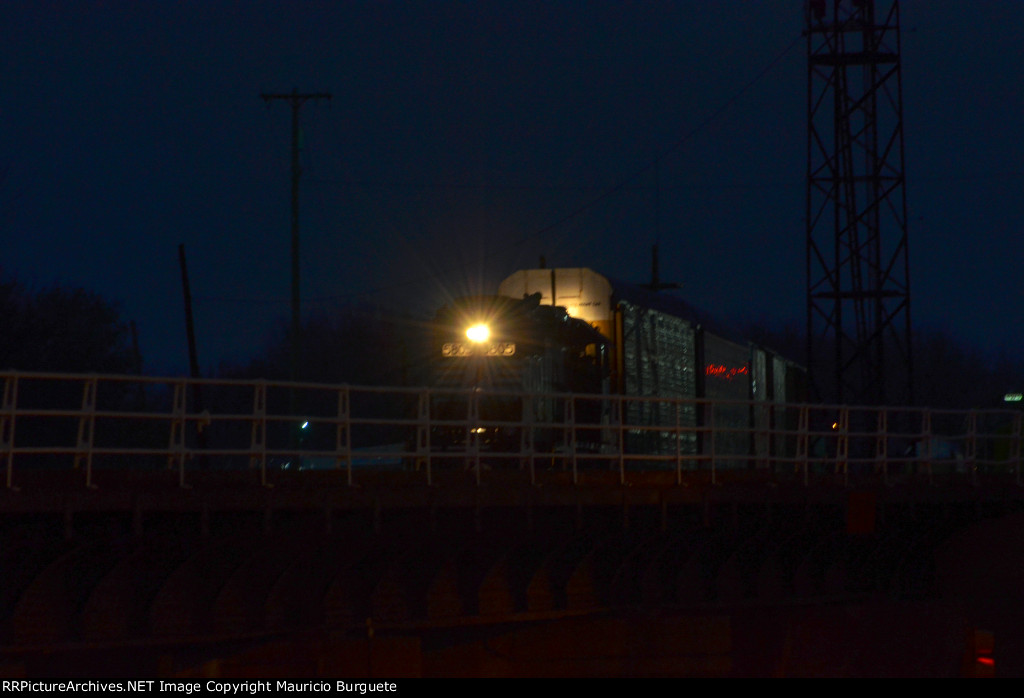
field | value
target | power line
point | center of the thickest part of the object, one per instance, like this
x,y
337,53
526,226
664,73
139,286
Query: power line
x,y
621,184
606,193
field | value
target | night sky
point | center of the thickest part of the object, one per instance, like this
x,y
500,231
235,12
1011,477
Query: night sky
x,y
463,141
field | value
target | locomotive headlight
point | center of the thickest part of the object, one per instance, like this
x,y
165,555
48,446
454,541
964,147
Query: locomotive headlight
x,y
478,333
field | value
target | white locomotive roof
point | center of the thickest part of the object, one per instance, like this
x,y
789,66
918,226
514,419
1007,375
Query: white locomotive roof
x,y
583,293
592,297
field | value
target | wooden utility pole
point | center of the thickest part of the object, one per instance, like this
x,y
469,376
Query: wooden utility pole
x,y
296,100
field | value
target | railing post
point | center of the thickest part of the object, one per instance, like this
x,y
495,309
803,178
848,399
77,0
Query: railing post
x,y
882,444
176,449
622,436
843,445
802,441
526,436
343,433
423,433
7,419
86,429
258,438
473,432
926,435
569,430
679,448
711,435
1015,450
762,434
972,446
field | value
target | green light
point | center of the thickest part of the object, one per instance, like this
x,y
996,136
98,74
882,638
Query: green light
x,y
1013,397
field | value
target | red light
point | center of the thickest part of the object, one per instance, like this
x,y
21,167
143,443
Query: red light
x,y
979,661
726,372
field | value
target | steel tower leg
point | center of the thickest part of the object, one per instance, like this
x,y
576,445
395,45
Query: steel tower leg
x,y
858,276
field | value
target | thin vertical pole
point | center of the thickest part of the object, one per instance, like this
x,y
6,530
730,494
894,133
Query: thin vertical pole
x,y
296,101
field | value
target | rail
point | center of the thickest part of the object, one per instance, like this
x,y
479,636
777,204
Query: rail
x,y
131,423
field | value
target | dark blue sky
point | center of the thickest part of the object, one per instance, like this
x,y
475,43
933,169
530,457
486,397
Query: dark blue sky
x,y
460,138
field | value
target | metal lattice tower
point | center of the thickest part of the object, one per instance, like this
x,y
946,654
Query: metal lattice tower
x,y
858,276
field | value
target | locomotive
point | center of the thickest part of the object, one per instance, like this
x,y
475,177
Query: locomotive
x,y
503,348
650,369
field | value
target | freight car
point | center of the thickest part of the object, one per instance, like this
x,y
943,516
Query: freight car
x,y
654,372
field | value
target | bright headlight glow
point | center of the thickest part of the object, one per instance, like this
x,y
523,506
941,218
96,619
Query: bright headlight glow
x,y
478,333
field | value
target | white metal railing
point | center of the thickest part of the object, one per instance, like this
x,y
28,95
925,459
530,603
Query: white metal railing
x,y
109,422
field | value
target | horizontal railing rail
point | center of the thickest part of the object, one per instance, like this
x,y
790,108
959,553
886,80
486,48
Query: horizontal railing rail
x,y
51,421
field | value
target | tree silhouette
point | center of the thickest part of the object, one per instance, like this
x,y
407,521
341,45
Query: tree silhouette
x,y
62,330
